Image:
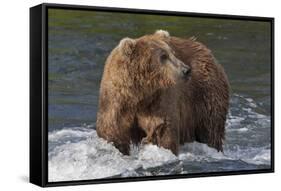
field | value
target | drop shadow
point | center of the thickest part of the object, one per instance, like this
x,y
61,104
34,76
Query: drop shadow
x,y
24,178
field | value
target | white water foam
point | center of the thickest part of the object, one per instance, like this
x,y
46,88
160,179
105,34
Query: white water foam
x,y
95,158
198,152
79,154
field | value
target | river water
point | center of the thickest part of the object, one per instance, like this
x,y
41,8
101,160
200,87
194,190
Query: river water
x,y
80,41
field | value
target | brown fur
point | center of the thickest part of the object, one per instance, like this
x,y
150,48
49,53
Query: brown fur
x,y
145,98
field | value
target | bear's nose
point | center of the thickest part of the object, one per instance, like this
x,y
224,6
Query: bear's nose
x,y
186,70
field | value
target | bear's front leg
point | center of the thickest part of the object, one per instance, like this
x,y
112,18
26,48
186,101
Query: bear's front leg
x,y
167,137
153,134
115,127
149,124
159,132
118,136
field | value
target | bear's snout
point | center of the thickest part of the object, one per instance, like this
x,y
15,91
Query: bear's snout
x,y
183,70
186,71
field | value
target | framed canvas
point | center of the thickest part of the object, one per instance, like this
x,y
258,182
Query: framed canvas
x,y
121,95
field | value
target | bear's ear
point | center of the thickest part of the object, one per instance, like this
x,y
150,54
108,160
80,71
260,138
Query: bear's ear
x,y
127,46
162,33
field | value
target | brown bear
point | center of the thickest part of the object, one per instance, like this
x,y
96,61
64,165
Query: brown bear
x,y
162,90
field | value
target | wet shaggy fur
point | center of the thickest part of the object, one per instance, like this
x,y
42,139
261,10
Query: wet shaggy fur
x,y
162,90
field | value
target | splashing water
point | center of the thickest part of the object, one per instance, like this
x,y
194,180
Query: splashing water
x,y
79,154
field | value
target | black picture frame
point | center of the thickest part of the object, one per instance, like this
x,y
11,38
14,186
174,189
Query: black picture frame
x,y
39,94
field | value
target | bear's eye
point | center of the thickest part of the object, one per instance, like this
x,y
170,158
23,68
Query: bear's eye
x,y
163,57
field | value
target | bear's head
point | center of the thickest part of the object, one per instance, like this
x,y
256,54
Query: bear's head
x,y
147,64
